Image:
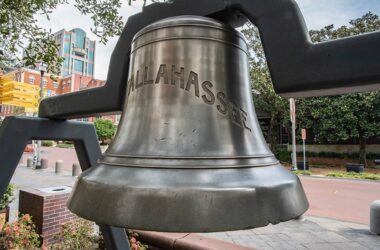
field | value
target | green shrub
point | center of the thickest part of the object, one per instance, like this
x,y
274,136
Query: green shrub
x,y
77,235
319,165
20,234
8,197
64,145
302,172
105,129
283,155
47,143
335,155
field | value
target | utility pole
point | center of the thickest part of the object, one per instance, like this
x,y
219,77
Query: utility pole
x,y
293,120
37,150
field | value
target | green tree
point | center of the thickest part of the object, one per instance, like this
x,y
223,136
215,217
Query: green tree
x,y
266,98
19,31
343,117
105,129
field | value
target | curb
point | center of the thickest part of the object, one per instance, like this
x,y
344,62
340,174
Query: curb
x,y
184,241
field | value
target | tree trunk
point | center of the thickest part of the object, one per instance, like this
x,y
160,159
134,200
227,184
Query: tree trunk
x,y
362,151
273,135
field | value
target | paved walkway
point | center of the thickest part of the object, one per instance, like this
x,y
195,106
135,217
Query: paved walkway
x,y
312,233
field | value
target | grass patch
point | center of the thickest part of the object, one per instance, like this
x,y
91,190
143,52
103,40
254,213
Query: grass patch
x,y
302,172
65,145
366,176
47,143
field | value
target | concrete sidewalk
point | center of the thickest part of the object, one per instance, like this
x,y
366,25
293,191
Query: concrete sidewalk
x,y
311,233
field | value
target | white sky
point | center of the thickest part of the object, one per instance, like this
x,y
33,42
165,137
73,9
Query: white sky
x,y
317,14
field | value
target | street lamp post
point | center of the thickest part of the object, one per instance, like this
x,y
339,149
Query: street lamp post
x,y
37,152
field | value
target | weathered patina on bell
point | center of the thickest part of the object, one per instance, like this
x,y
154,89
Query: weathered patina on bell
x,y
189,155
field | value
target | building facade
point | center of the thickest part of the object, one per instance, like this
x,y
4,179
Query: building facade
x,y
51,87
78,52
77,71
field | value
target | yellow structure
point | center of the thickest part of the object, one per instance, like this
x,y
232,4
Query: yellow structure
x,y
19,94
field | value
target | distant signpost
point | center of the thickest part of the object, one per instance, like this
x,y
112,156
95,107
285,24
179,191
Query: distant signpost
x,y
303,134
19,94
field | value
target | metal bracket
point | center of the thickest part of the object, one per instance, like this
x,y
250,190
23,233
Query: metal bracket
x,y
15,132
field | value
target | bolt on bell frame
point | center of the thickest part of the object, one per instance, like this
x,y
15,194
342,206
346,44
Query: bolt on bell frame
x,y
298,68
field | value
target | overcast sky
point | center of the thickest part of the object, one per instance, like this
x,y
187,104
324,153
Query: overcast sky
x,y
317,14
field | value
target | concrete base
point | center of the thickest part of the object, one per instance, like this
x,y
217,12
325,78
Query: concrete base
x,y
374,221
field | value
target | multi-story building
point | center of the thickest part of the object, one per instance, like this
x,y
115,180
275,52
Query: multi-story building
x,y
77,71
78,52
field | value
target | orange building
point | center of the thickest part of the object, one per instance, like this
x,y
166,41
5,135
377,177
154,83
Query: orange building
x,y
62,85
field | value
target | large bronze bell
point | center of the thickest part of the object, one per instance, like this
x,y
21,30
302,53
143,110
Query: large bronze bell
x,y
189,155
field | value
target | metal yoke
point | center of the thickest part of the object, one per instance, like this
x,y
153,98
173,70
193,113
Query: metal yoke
x,y
298,67
15,132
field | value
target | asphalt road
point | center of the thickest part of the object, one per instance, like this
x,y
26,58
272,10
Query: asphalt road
x,y
347,200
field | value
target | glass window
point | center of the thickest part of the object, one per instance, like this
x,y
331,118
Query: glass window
x,y
31,79
66,48
44,82
78,65
80,38
91,69
55,84
91,55
66,62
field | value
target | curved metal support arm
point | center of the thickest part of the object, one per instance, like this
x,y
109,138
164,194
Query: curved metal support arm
x,y
298,67
15,132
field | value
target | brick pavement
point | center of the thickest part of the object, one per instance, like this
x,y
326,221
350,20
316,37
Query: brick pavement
x,y
312,233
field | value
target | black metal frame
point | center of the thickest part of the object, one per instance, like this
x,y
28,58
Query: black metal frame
x,y
298,67
15,132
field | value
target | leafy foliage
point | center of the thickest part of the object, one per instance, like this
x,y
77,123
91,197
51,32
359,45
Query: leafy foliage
x,y
267,100
47,143
20,234
134,243
8,197
19,31
343,117
367,176
105,129
77,235
302,172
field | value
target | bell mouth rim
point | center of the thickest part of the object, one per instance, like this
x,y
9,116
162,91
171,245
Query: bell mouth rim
x,y
186,200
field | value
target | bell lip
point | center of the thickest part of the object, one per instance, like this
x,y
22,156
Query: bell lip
x,y
167,206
